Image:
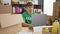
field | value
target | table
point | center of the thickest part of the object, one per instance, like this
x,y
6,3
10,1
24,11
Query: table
x,y
25,30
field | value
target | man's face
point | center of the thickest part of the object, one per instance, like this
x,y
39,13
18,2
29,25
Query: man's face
x,y
30,8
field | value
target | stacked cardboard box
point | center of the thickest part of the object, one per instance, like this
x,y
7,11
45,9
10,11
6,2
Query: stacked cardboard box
x,y
0,1
9,23
5,9
56,9
15,1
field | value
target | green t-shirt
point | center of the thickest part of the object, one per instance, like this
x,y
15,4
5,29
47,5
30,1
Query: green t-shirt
x,y
27,17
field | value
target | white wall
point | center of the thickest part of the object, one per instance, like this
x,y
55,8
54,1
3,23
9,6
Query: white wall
x,y
48,7
6,1
35,2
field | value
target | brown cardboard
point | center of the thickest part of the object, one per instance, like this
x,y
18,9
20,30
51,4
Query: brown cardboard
x,y
5,9
11,29
9,20
56,9
15,33
36,32
41,32
15,3
15,0
45,32
0,1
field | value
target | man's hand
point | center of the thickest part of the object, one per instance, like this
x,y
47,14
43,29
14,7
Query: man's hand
x,y
27,25
30,27
24,25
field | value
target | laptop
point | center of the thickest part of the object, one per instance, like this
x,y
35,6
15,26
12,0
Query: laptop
x,y
39,20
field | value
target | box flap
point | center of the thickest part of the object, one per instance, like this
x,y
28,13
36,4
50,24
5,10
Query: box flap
x,y
9,20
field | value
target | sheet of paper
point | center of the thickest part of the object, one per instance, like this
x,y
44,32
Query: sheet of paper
x,y
37,29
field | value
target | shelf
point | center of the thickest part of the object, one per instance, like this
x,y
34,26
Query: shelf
x,y
23,5
37,6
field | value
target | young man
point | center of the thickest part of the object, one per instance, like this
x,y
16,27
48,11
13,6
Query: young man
x,y
28,14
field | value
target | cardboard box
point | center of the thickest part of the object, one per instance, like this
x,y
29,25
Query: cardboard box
x,y
41,32
56,10
5,9
11,29
0,1
9,20
10,23
15,1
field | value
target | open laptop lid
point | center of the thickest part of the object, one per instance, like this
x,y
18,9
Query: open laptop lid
x,y
39,19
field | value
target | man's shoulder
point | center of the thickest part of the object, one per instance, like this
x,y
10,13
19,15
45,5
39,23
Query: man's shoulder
x,y
24,13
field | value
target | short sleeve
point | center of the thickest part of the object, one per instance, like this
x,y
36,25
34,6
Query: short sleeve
x,y
23,17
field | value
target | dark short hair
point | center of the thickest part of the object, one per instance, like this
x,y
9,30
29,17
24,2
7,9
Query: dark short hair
x,y
29,4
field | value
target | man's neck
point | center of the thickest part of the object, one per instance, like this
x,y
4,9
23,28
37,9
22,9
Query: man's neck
x,y
30,12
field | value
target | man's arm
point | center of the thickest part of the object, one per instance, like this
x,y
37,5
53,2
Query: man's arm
x,y
25,25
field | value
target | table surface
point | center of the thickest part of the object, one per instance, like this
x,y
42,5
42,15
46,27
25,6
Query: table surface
x,y
25,30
